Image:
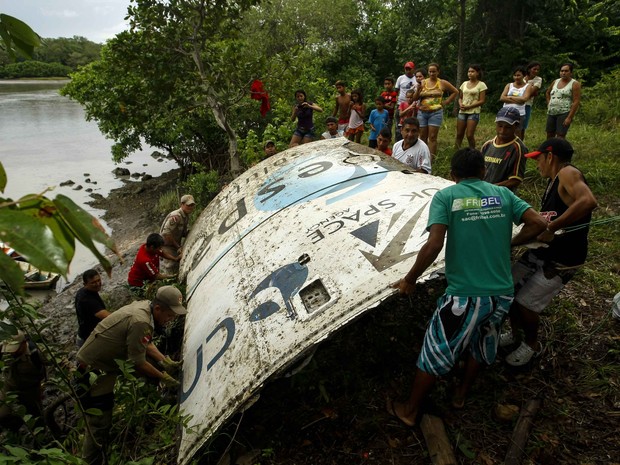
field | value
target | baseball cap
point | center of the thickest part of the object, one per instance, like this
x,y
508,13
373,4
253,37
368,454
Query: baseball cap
x,y
267,142
508,115
13,344
172,298
410,64
555,145
188,200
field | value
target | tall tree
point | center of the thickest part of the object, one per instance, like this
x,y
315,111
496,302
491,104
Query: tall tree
x,y
208,33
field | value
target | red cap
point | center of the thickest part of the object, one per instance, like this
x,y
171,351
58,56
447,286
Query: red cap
x,y
555,145
410,64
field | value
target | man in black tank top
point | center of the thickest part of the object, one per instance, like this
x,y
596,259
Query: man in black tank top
x,y
540,274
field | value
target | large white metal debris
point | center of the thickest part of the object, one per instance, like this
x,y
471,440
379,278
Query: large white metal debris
x,y
285,255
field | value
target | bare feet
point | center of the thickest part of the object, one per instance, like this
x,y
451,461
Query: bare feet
x,y
400,411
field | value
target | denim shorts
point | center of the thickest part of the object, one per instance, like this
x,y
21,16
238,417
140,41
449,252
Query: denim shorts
x,y
528,115
304,132
469,116
430,118
461,323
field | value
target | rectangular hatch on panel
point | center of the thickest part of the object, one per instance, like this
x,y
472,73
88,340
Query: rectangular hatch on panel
x,y
314,296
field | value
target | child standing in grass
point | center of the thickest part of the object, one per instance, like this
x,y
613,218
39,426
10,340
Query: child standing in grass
x,y
356,121
378,119
405,110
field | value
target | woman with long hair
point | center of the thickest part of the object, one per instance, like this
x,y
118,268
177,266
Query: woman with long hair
x,y
515,95
472,96
302,111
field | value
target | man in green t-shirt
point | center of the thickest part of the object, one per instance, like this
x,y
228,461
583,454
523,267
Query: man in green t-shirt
x,y
477,218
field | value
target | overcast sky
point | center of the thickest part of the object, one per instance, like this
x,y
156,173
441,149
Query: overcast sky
x,y
97,20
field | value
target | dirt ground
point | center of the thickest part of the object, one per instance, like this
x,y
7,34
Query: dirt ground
x,y
333,412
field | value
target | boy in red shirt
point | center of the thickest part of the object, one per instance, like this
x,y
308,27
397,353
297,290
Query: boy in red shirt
x,y
391,97
145,268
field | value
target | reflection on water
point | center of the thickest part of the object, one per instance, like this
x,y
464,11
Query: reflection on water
x,y
45,140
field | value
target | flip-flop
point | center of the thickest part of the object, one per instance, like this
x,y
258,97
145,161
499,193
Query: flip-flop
x,y
389,406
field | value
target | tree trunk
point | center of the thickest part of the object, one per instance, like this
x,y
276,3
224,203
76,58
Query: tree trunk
x,y
459,58
219,114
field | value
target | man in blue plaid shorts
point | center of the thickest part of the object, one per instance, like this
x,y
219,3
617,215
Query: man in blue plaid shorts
x,y
477,218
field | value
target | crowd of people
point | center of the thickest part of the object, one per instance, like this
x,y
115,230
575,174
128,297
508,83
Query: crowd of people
x,y
422,94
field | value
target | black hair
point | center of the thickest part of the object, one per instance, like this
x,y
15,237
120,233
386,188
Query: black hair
x,y
386,132
388,78
358,92
379,99
570,66
436,65
411,121
331,119
476,68
301,91
531,64
467,163
88,275
154,240
519,68
422,70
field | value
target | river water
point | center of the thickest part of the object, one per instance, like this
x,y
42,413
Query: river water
x,y
45,140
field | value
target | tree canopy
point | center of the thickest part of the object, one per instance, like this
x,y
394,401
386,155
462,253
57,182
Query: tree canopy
x,y
184,62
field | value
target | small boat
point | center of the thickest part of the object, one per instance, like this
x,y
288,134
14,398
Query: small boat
x,y
8,250
37,279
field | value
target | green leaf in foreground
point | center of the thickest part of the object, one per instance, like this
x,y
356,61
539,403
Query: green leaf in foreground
x,y
86,228
18,35
43,210
11,273
33,240
3,178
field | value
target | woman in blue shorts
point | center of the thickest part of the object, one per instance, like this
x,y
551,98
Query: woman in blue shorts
x,y
303,111
432,103
472,95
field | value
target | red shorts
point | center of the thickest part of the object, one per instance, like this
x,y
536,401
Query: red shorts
x,y
353,131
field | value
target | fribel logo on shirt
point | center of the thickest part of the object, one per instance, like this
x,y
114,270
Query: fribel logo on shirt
x,y
467,203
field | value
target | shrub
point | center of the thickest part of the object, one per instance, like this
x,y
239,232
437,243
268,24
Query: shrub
x,y
601,102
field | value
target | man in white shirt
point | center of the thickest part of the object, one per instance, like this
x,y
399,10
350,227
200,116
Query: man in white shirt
x,y
411,150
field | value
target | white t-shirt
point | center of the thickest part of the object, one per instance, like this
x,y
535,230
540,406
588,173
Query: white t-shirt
x,y
405,83
327,135
536,82
418,156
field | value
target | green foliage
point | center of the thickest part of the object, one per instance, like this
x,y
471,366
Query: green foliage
x,y
71,52
137,99
51,456
18,37
168,201
146,421
601,103
203,184
29,69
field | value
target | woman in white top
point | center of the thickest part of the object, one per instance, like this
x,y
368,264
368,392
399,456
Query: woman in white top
x,y
516,94
472,95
